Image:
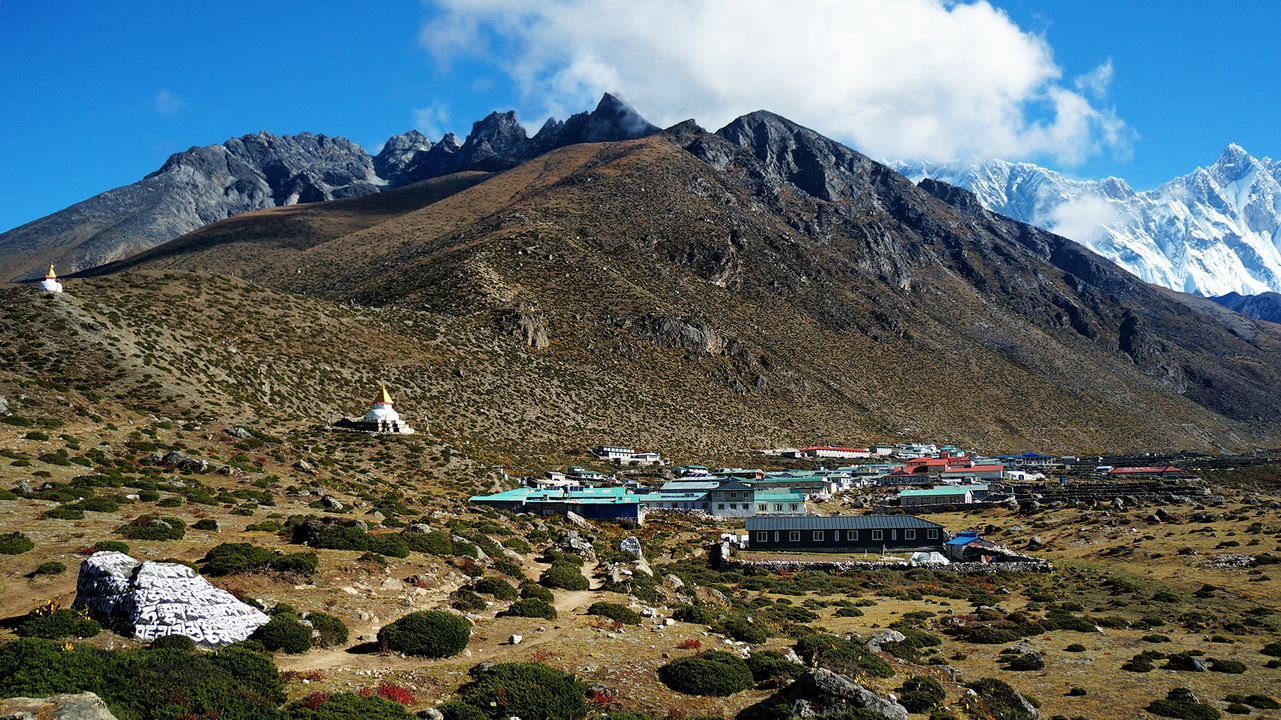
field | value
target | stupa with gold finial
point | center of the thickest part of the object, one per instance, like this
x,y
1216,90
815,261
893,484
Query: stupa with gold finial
x,y
50,282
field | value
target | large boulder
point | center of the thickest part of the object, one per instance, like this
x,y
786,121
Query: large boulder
x,y
821,692
77,706
149,600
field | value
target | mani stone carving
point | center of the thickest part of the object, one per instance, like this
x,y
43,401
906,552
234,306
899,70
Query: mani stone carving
x,y
149,599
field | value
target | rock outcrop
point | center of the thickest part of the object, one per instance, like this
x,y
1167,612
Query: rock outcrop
x,y
71,706
821,692
148,600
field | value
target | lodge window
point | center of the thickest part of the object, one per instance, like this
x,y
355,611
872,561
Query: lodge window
x,y
932,534
818,536
878,534
794,535
720,506
851,535
733,506
909,534
762,537
794,507
762,508
778,507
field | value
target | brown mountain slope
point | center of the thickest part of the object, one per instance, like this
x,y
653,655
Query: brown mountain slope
x,y
764,284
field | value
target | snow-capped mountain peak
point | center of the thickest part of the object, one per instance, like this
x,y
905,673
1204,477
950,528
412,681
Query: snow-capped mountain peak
x,y
1213,231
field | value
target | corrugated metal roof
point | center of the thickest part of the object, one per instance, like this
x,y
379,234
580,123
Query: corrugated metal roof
x,y
934,491
839,522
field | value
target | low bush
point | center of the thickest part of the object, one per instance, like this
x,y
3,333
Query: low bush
x,y
284,632
1183,710
530,691
987,635
497,587
1027,661
848,612
332,630
234,558
15,543
841,655
614,611
921,694
57,625
1143,662
152,527
714,673
534,590
740,628
111,546
52,567
565,576
269,526
147,684
173,642
1074,647
694,614
1156,638
1272,649
343,706
427,633
205,524
531,608
1232,667
1004,701
768,665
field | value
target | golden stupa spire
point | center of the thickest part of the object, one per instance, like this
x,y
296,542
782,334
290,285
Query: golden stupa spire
x,y
51,273
385,397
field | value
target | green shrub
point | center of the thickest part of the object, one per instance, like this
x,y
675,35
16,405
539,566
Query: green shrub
x,y
206,524
147,684
497,587
1272,649
1156,638
427,633
332,630
564,576
614,611
530,607
111,546
173,642
695,614
841,655
466,600
1027,661
849,612
432,543
536,591
59,624
1003,700
389,545
987,635
284,632
769,665
268,526
52,567
920,694
1182,709
233,558
65,512
740,628
15,543
530,691
1074,647
152,527
344,706
714,673
170,502
1232,667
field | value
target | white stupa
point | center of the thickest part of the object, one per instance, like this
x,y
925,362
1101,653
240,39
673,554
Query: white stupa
x,y
50,282
385,417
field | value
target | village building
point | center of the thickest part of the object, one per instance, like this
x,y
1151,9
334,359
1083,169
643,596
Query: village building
x,y
50,282
608,503
845,533
626,455
934,497
842,453
1147,471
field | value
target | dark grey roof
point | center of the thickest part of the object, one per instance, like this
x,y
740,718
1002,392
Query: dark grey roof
x,y
839,522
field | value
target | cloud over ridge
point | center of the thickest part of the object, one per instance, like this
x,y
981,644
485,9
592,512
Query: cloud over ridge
x,y
933,79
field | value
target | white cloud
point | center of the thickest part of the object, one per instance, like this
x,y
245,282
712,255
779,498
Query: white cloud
x,y
432,120
167,104
934,79
1096,82
1085,219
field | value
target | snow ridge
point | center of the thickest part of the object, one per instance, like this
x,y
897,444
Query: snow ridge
x,y
1213,231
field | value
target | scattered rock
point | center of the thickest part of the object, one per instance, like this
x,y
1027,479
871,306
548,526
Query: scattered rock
x,y
332,502
78,706
306,467
419,528
238,432
632,546
515,639
431,714
673,582
822,692
883,637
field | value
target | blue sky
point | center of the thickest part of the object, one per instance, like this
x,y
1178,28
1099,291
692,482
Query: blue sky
x,y
96,95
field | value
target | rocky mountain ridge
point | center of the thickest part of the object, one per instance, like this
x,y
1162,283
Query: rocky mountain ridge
x,y
1210,232
792,284
202,185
